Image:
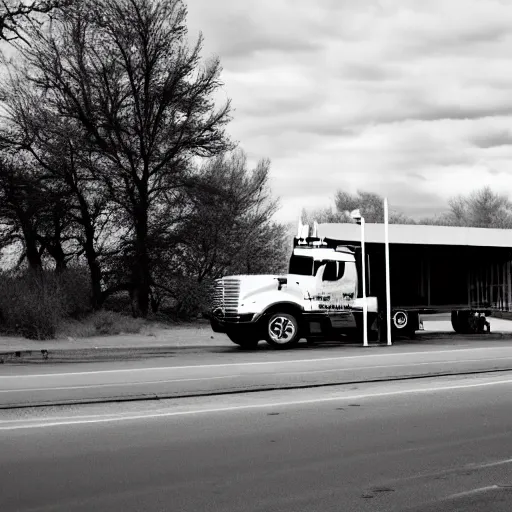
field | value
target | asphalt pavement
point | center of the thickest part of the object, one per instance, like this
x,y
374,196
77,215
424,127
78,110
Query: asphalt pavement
x,y
229,370
436,444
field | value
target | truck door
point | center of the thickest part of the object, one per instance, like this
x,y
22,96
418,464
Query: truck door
x,y
337,286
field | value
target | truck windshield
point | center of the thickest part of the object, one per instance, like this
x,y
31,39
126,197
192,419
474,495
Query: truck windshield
x,y
301,265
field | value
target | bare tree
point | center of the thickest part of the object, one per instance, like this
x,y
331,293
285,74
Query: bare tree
x,y
123,71
232,216
16,15
481,209
370,204
228,227
22,199
78,213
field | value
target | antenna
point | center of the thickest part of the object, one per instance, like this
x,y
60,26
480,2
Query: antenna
x,y
299,228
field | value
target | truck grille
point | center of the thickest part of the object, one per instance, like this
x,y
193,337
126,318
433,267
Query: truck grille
x,y
226,295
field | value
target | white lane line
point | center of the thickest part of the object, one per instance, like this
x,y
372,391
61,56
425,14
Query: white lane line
x,y
235,375
146,416
472,466
354,368
255,363
114,384
473,492
489,464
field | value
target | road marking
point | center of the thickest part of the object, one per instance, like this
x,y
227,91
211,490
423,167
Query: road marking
x,y
234,376
255,363
394,366
473,491
152,415
472,466
489,464
115,384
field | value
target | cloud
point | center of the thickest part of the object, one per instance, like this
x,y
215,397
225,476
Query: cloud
x,y
408,99
493,139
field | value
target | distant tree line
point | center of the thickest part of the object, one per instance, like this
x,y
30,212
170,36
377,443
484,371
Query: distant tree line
x,y
481,209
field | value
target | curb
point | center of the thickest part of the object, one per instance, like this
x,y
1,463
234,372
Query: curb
x,y
87,355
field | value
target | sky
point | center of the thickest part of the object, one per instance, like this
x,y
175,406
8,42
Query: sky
x,y
411,99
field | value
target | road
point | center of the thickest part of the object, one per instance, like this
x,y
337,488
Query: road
x,y
435,444
230,370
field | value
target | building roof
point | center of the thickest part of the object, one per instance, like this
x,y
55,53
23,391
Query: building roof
x,y
419,234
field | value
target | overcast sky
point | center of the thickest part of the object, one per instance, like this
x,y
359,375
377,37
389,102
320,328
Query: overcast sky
x,y
408,98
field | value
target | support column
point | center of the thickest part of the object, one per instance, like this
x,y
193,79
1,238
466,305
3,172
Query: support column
x,y
509,287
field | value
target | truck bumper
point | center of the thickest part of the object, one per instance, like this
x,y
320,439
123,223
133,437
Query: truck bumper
x,y
220,324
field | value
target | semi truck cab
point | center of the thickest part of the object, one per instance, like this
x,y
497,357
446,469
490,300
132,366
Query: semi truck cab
x,y
319,298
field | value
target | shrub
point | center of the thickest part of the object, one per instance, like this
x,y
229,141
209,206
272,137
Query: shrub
x,y
75,287
100,323
34,303
110,322
119,302
30,304
192,298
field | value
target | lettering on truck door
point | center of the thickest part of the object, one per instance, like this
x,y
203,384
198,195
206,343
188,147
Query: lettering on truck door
x,y
337,288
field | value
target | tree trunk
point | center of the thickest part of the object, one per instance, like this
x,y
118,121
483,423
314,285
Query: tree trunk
x,y
97,297
33,256
55,246
141,278
92,262
57,253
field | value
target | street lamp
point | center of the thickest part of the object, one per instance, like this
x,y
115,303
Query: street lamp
x,y
356,215
388,290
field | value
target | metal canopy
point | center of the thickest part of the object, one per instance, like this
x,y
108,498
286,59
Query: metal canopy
x,y
419,235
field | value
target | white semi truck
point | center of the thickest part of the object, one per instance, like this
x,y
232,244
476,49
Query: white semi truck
x,y
433,269
318,297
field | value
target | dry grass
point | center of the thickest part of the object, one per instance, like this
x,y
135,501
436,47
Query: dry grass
x,y
101,323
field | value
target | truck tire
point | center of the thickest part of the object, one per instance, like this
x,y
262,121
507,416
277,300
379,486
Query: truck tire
x,y
400,321
456,323
463,323
404,323
282,330
243,340
473,323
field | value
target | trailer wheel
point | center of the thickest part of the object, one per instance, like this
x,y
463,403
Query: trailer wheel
x,y
400,320
282,330
456,322
405,323
464,323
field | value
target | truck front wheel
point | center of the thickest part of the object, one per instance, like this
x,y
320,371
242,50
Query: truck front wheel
x,y
282,330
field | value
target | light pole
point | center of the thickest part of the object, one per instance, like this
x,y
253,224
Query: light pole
x,y
356,215
388,284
